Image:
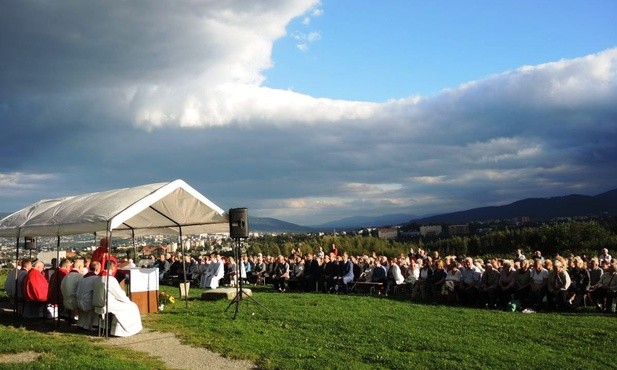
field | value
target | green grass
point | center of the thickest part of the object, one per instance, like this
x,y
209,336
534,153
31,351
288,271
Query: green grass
x,y
67,351
58,349
319,331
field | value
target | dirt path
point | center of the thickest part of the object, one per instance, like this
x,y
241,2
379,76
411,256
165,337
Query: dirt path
x,y
177,355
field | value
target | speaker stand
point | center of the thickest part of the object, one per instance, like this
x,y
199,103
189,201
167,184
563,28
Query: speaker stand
x,y
240,293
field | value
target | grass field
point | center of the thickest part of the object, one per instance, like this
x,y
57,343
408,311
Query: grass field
x,y
320,331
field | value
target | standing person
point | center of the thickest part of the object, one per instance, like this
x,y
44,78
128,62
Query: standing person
x,y
604,256
519,256
102,254
334,250
281,274
537,255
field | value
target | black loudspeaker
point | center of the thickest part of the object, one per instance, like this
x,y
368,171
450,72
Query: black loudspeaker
x,y
239,223
30,243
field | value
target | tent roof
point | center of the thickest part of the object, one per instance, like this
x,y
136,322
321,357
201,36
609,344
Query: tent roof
x,y
160,208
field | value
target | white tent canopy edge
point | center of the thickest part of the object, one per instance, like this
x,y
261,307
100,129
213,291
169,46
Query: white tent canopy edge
x,y
160,208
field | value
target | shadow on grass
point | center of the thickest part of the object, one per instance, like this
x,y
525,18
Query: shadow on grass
x,y
8,317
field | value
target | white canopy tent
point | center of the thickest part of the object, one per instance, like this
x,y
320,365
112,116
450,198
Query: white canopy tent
x,y
161,208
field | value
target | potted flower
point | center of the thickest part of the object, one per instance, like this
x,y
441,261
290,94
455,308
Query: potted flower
x,y
165,298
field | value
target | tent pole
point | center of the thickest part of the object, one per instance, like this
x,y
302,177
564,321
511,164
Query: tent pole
x,y
15,303
134,247
94,246
186,301
107,323
186,293
57,273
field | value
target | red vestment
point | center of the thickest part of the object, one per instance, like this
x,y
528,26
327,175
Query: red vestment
x,y
54,295
35,286
98,254
102,255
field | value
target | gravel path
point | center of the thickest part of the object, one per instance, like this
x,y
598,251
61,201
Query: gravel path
x,y
160,344
177,355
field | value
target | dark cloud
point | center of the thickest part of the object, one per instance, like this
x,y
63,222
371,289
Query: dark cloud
x,y
96,96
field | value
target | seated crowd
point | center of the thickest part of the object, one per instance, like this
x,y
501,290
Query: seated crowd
x,y
70,290
76,289
562,283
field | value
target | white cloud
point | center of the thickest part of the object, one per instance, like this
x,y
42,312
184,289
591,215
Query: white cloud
x,y
18,184
317,12
304,40
502,149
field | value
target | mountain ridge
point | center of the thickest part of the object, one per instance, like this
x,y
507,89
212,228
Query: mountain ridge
x,y
537,209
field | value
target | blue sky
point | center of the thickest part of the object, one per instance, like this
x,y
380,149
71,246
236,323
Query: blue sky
x,y
310,111
379,51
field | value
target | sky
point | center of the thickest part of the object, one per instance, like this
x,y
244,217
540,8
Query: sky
x,y
310,111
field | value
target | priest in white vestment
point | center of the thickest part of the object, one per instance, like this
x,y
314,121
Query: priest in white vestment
x,y
126,317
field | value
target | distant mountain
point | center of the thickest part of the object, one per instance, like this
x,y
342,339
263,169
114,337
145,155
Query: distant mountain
x,y
266,224
537,209
357,222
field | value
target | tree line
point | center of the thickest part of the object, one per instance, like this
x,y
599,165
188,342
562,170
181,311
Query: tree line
x,y
576,237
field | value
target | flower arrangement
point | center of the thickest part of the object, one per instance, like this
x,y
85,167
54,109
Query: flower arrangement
x,y
165,298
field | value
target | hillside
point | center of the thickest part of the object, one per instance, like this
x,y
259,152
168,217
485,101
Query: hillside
x,y
356,222
537,209
266,224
